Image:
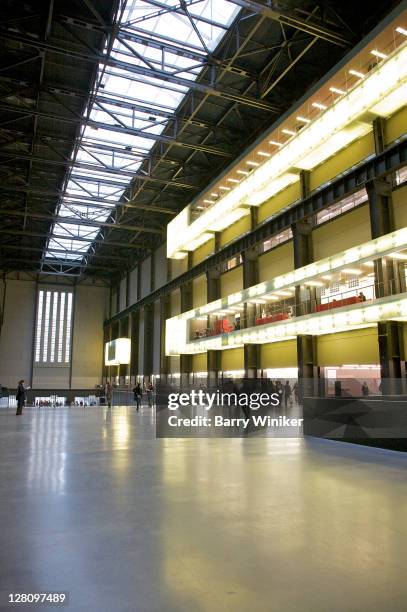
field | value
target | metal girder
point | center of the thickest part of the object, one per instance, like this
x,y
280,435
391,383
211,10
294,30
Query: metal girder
x,y
113,128
76,221
122,102
62,264
161,75
94,167
86,200
381,165
82,254
122,245
314,28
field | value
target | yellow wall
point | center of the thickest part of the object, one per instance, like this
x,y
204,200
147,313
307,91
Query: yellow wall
x,y
175,302
274,204
178,266
233,359
342,233
174,364
359,346
342,161
399,199
277,261
231,281
203,251
199,363
279,355
199,293
396,125
236,229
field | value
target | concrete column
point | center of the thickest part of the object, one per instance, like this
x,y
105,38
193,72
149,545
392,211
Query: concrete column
x,y
250,278
186,304
138,281
148,345
124,333
135,343
127,289
152,272
308,372
213,358
303,255
392,357
165,313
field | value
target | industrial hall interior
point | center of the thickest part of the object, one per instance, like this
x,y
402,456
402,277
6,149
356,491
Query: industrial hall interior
x,y
203,305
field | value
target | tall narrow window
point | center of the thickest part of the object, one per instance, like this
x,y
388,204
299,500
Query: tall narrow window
x,y
53,327
39,326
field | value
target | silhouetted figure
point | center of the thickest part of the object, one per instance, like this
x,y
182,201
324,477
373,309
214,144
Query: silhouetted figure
x,y
21,396
137,392
365,389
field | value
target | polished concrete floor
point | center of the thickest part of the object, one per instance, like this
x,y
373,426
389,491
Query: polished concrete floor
x,y
91,503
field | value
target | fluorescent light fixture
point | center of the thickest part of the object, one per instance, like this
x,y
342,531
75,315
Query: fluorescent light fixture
x,y
224,188
336,90
232,180
377,53
356,73
369,264
354,271
303,119
209,202
326,277
252,163
401,30
319,105
275,143
214,195
289,132
244,172
314,283
271,298
402,256
284,293
263,154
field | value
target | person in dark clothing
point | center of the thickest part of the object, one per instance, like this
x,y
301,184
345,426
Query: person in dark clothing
x,y
287,393
365,389
21,396
137,395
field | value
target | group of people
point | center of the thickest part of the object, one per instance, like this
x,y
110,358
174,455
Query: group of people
x,y
284,391
137,394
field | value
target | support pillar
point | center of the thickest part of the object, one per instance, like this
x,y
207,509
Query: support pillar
x,y
250,278
392,357
165,313
186,304
148,343
303,255
213,358
308,372
135,336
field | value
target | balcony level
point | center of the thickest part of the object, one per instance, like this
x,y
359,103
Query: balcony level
x,y
355,288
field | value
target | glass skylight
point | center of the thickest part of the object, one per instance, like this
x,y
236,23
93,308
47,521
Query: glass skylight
x,y
130,107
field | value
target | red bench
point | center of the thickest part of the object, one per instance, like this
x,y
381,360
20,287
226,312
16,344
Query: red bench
x,y
280,316
355,299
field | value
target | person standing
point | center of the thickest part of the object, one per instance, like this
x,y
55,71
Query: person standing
x,y
137,392
150,390
287,393
21,396
365,389
108,394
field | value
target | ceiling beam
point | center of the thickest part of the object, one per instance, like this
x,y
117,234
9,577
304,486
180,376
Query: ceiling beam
x,y
150,73
315,28
82,254
108,243
76,221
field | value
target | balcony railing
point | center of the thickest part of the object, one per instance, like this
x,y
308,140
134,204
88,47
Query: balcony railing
x,y
288,308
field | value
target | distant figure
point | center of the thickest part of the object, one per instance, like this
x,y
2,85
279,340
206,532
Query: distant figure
x,y
296,393
362,296
287,393
279,391
365,389
108,394
21,396
150,390
137,395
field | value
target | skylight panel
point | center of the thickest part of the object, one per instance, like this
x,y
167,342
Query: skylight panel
x,y
152,96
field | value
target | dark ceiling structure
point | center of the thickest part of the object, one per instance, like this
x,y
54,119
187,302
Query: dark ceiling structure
x,y
115,114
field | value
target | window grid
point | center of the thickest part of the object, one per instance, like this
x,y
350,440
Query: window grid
x,y
61,327
46,326
53,327
39,326
68,329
